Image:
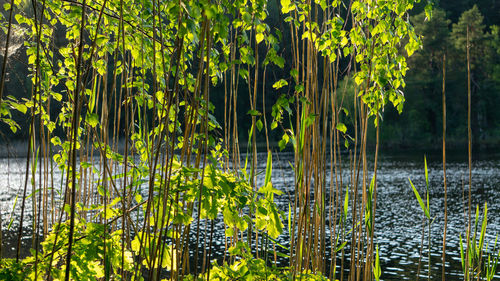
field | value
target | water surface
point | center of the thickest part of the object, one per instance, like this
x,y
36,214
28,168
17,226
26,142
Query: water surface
x,y
398,226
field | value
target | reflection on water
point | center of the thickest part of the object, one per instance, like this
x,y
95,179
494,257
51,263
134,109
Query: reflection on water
x,y
398,219
399,216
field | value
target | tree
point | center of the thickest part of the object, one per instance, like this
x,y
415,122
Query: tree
x,y
470,20
424,83
426,68
470,28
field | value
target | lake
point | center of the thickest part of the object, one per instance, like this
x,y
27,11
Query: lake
x,y
398,226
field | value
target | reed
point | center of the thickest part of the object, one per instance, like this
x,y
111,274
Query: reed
x,y
443,258
469,150
427,216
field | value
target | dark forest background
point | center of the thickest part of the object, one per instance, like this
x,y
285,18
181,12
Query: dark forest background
x,y
420,122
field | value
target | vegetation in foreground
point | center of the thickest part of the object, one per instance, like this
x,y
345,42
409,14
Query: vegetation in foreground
x,y
142,72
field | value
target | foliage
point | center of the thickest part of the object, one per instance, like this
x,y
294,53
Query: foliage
x,y
443,35
253,269
427,213
91,249
12,270
477,259
470,25
136,139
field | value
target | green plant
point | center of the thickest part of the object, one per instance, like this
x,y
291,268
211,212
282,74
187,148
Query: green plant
x,y
12,270
136,140
253,269
473,257
90,260
427,213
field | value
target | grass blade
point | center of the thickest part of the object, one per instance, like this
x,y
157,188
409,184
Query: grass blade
x,y
376,269
419,199
346,201
462,254
12,213
269,168
426,172
483,227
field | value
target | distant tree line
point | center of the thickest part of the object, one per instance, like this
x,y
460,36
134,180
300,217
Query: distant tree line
x,y
445,38
420,122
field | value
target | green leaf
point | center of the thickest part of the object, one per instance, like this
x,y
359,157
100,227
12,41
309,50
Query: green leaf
x,y
289,219
276,227
295,74
299,88
377,271
483,226
341,246
269,168
19,107
12,213
67,208
279,84
56,96
268,189
428,10
93,120
310,119
138,198
281,144
343,41
346,201
359,78
346,112
259,37
426,173
274,125
279,61
412,46
419,199
462,259
286,6
341,127
136,245
284,141
259,125
243,73
254,112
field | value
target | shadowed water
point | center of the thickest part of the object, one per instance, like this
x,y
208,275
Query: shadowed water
x,y
398,225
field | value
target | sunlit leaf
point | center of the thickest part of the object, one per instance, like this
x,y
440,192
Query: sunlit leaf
x,y
259,37
341,127
254,112
280,83
93,120
259,125
419,199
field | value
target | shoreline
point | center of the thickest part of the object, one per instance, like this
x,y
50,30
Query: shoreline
x,y
19,148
